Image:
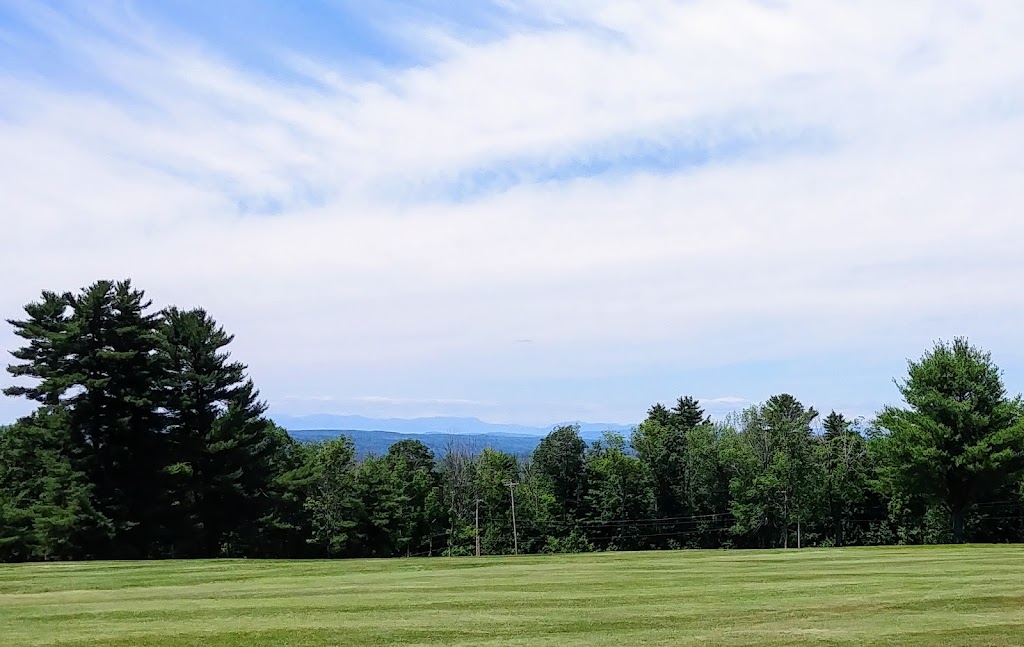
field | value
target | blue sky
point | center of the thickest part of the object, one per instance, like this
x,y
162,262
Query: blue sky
x,y
529,211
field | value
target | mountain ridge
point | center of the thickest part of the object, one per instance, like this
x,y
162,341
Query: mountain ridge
x,y
446,425
378,442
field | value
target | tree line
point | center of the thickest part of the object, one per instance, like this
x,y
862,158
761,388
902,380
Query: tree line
x,y
149,441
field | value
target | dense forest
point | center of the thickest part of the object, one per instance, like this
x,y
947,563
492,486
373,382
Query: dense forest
x,y
149,441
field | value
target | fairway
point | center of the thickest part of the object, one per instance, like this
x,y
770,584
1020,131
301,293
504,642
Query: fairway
x,y
859,596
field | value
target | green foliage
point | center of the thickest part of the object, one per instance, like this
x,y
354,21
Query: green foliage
x,y
960,436
413,472
574,542
99,354
687,414
381,506
846,472
165,441
284,526
707,494
46,507
663,450
381,529
684,416
621,493
537,510
494,471
773,478
221,450
561,459
148,440
459,499
687,487
333,505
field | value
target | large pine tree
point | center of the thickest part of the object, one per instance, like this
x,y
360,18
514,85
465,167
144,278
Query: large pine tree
x,y
961,436
99,355
222,448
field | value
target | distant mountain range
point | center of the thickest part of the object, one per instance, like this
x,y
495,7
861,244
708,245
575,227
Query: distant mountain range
x,y
378,442
376,435
435,425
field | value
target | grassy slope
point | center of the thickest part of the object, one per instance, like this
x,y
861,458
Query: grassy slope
x,y
877,596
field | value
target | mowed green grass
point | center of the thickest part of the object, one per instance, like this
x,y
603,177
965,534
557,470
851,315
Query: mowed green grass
x,y
970,596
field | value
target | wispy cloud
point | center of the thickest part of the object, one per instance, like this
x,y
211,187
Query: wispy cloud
x,y
634,186
729,399
383,399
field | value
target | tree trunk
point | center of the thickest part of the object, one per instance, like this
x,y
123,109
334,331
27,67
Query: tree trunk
x,y
958,526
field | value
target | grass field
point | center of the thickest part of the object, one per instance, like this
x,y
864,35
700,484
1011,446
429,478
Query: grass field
x,y
866,596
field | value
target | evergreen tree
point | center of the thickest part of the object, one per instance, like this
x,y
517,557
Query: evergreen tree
x,y
960,437
835,425
283,528
222,448
46,504
381,527
663,450
148,440
99,355
846,470
412,464
660,443
659,414
687,414
561,459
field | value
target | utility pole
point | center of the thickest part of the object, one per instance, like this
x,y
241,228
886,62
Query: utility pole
x,y
478,527
785,531
515,535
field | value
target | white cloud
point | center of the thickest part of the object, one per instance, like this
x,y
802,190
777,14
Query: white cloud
x,y
384,399
729,399
313,220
